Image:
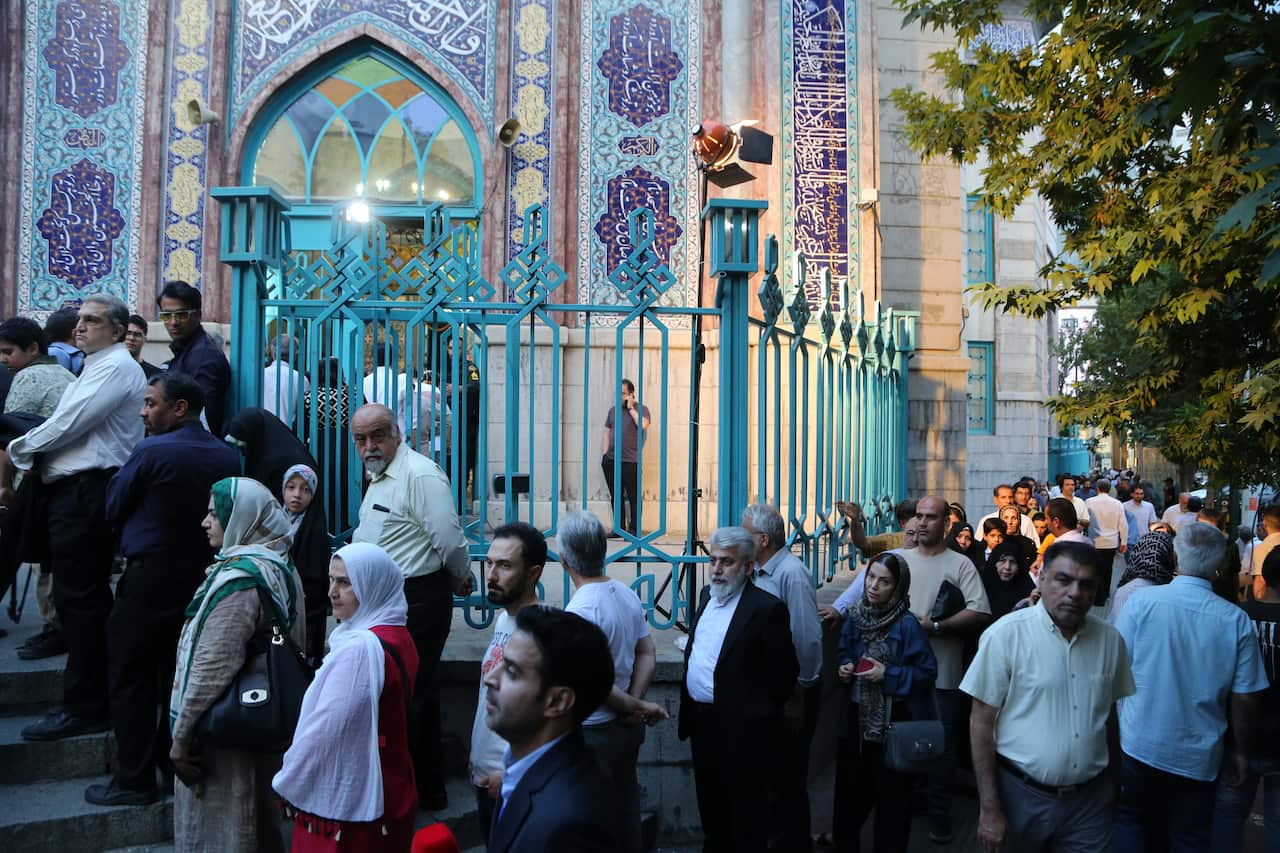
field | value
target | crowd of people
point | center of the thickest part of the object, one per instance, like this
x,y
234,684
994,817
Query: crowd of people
x,y
1135,718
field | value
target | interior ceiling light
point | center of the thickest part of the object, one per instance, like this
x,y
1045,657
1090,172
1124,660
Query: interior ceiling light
x,y
723,148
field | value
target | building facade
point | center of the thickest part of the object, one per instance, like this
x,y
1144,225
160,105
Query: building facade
x,y
123,114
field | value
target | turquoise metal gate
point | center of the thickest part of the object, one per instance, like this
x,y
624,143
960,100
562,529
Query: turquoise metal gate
x,y
429,335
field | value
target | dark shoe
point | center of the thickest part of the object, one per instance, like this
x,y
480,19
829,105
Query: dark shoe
x,y
63,724
45,630
112,794
44,645
940,830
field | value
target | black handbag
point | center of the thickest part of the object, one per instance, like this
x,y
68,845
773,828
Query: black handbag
x,y
915,747
259,709
949,602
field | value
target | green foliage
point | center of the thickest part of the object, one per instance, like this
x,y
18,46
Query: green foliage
x,y
1150,127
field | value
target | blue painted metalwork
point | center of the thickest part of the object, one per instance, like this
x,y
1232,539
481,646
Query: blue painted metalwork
x,y
830,396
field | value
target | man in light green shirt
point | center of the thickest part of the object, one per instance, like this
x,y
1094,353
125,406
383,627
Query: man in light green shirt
x,y
1043,730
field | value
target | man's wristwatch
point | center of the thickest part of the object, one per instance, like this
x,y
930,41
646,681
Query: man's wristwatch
x,y
936,628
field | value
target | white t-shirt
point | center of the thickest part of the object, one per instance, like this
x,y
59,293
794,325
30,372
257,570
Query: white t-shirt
x,y
1262,549
612,606
487,747
927,575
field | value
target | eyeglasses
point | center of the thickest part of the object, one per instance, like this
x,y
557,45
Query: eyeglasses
x,y
166,316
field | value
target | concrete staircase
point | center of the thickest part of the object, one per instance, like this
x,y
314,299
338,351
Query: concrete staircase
x,y
42,806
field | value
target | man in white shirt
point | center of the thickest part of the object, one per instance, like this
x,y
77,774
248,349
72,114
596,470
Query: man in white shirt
x,y
1063,523
740,669
91,433
1180,514
383,385
1271,527
781,574
1044,686
1003,495
512,569
615,730
1109,531
1068,483
932,563
1142,510
408,511
282,385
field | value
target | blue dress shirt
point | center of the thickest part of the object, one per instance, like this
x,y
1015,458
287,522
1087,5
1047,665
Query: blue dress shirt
x,y
1190,650
158,498
203,361
515,770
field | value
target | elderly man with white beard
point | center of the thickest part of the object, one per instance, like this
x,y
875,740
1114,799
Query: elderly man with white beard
x,y
740,669
408,511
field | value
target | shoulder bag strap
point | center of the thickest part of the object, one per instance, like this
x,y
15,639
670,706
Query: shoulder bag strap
x,y
404,679
269,608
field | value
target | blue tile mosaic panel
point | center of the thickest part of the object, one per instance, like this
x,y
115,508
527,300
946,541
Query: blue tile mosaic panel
x,y
640,66
186,150
533,42
458,35
84,66
819,139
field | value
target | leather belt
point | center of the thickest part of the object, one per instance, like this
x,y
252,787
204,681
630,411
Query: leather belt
x,y
1051,790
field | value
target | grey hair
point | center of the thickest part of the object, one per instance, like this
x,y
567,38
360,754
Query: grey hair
x,y
737,540
1201,550
583,544
117,311
281,348
1103,485
766,519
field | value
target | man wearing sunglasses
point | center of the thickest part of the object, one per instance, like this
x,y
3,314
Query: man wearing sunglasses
x,y
194,352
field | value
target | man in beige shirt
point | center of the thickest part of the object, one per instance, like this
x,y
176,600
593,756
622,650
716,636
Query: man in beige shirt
x,y
408,510
1043,729
932,563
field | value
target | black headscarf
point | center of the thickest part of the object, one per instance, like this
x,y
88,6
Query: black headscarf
x,y
270,449
1002,594
1150,558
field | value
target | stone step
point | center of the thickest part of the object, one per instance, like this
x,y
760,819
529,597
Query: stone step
x,y
70,758
53,816
27,686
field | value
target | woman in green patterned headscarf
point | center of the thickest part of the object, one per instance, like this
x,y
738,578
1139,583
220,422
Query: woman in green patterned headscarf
x,y
224,800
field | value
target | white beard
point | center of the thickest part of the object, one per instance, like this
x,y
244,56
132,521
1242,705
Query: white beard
x,y
726,590
375,467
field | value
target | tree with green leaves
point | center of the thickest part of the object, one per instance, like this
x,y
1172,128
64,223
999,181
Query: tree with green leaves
x,y
1150,127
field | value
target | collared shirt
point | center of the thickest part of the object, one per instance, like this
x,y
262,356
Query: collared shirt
x,y
408,511
515,770
615,609
37,388
1177,518
927,576
787,579
1026,526
1262,549
1074,536
1082,509
282,387
1107,526
1144,515
1054,694
158,498
708,640
97,423
1190,649
202,359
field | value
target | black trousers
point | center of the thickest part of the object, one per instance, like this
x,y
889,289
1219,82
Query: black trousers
x,y
864,783
1106,562
142,632
789,829
629,516
81,550
731,781
430,599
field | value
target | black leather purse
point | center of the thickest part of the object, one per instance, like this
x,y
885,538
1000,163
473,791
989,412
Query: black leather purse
x,y
260,707
949,602
915,747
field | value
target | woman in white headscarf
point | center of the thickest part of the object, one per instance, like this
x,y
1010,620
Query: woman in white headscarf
x,y
362,796
224,801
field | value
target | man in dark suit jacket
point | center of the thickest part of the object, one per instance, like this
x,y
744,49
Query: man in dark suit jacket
x,y
556,669
740,668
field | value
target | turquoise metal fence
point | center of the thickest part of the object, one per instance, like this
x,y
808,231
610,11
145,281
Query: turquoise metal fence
x,y
428,335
